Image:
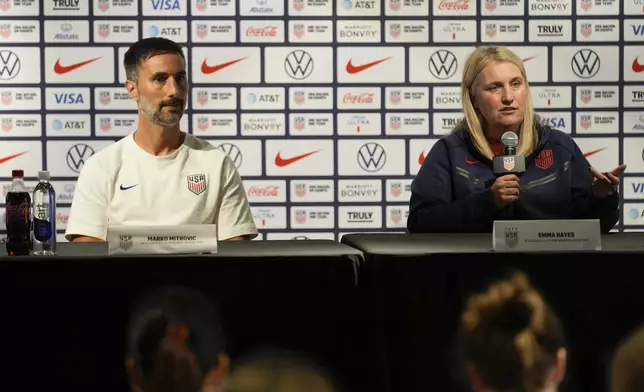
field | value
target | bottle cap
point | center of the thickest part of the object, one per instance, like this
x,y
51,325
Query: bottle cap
x,y
43,175
17,173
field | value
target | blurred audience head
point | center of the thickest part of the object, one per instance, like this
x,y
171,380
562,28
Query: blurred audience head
x,y
279,371
627,369
175,343
496,98
513,340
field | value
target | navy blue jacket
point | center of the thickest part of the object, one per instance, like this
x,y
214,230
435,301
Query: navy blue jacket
x,y
451,192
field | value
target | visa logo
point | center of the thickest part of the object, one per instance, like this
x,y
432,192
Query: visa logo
x,y
638,187
638,30
68,99
554,122
165,5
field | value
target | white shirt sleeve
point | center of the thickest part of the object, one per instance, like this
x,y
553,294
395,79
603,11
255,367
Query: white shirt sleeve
x,y
234,217
89,213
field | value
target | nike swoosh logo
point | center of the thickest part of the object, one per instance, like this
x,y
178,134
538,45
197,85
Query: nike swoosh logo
x,y
354,69
589,153
125,188
63,69
207,69
470,161
10,157
637,67
528,59
281,162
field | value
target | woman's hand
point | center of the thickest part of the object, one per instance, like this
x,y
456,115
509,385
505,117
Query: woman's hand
x,y
605,184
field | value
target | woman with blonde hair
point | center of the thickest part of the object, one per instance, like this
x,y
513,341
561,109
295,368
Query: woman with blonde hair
x,y
513,340
456,189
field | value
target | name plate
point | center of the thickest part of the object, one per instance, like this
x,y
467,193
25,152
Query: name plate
x,y
181,239
546,235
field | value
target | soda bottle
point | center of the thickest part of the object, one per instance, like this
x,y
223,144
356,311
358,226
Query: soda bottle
x,y
44,241
18,216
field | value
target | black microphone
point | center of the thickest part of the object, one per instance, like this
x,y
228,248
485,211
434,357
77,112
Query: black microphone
x,y
509,162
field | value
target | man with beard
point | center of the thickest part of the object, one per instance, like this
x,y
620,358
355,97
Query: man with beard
x,y
159,174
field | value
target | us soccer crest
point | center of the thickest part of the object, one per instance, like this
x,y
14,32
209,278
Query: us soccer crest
x,y
545,159
6,97
508,163
202,97
586,121
103,5
5,30
395,30
396,215
202,30
7,124
394,122
125,242
106,124
105,97
396,189
197,183
586,95
511,236
300,190
300,216
299,123
395,96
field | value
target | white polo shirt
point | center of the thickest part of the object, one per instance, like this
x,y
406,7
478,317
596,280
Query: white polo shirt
x,y
124,185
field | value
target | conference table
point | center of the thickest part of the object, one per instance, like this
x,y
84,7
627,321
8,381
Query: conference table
x,y
64,316
417,286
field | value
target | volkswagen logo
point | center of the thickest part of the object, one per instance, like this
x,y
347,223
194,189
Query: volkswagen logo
x,y
9,65
77,155
233,152
443,64
372,157
585,63
298,64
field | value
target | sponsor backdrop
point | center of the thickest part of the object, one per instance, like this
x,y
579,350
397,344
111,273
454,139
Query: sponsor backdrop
x,y
327,108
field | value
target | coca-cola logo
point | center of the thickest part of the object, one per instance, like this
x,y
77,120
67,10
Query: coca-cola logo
x,y
267,191
358,98
15,210
62,218
454,5
266,31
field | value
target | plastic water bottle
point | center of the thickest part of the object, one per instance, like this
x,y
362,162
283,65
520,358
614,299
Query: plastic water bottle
x,y
44,243
18,216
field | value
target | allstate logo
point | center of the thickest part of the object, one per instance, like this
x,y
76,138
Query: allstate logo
x,y
57,125
153,30
347,4
633,213
251,98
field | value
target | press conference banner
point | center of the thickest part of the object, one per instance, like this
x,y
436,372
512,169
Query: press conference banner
x,y
328,109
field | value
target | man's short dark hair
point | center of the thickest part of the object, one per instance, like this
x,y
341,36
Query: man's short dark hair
x,y
145,49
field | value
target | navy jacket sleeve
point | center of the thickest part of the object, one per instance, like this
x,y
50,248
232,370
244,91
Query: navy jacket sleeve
x,y
432,209
584,204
